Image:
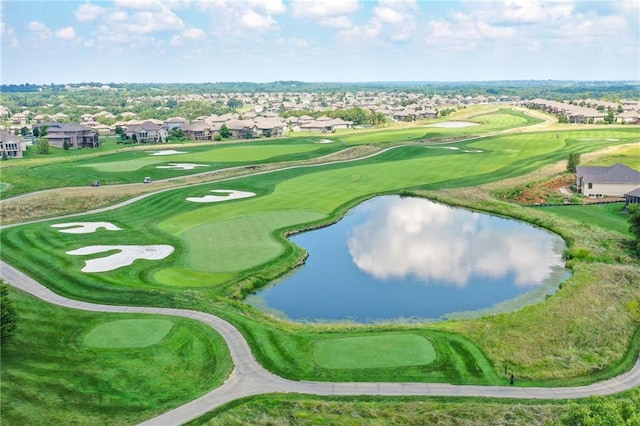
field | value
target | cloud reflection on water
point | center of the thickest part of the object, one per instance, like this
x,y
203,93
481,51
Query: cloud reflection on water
x,y
433,241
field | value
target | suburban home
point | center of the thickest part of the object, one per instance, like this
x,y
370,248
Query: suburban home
x,y
270,126
628,117
632,197
11,145
75,135
244,129
200,130
147,132
612,181
174,122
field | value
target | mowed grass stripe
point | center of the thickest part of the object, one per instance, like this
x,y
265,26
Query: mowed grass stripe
x,y
383,351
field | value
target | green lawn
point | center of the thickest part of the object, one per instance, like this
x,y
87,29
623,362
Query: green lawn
x,y
74,367
128,333
607,216
384,351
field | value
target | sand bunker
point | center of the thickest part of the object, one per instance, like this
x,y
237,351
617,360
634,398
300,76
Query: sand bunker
x,y
226,194
325,141
453,124
455,148
126,256
182,166
165,152
85,227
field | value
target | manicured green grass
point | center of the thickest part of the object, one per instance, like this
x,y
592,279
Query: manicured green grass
x,y
628,155
607,216
131,166
128,333
383,351
287,200
50,375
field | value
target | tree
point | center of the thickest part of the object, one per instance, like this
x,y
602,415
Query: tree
x,y
610,118
36,131
65,145
235,103
43,146
8,315
224,131
24,131
573,161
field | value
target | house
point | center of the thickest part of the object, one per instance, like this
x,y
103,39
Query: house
x,y
75,135
200,130
11,145
174,122
245,129
628,117
632,197
270,126
147,132
612,181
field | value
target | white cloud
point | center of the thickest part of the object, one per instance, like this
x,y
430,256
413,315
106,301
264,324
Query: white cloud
x,y
89,12
323,8
189,34
8,35
40,30
392,21
270,7
254,21
138,4
66,33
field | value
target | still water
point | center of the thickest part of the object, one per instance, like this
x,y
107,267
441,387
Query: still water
x,y
394,258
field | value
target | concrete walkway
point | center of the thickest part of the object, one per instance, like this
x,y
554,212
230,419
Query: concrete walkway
x,y
250,378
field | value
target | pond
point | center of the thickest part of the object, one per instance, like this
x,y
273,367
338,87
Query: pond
x,y
394,258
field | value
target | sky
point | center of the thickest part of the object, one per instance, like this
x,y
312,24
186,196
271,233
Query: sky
x,y
189,41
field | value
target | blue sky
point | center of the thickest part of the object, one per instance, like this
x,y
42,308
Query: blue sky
x,y
332,40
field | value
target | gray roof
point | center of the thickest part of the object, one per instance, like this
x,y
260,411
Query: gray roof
x,y
618,173
634,193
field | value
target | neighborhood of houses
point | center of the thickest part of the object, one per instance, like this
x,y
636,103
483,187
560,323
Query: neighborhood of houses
x,y
267,117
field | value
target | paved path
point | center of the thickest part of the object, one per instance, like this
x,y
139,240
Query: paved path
x,y
250,378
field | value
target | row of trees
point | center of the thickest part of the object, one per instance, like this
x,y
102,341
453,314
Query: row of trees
x,y
356,115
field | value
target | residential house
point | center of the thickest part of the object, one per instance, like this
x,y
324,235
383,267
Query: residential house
x,y
147,132
201,130
11,145
174,123
75,135
628,117
632,197
244,129
272,126
612,181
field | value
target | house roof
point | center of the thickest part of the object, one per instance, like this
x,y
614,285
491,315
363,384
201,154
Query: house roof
x,y
197,126
634,193
618,173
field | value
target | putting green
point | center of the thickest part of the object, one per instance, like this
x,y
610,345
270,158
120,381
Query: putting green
x,y
130,333
394,350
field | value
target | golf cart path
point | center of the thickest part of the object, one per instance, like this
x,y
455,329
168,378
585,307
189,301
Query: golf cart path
x,y
250,378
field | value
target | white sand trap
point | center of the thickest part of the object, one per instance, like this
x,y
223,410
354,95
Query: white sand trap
x,y
612,140
453,124
85,227
473,151
325,141
229,194
126,256
182,166
165,152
